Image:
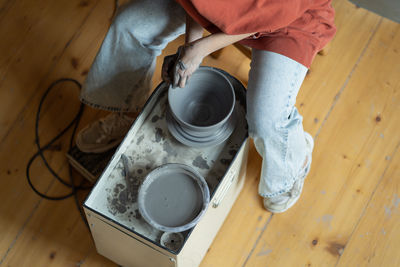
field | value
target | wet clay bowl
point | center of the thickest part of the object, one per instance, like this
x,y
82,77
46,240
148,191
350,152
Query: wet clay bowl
x,y
173,197
205,104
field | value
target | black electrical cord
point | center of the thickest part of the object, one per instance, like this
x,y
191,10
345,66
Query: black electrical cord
x,y
73,124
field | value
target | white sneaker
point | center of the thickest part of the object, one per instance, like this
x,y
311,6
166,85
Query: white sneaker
x,y
284,201
104,134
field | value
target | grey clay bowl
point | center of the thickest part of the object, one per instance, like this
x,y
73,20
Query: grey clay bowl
x,y
204,104
173,197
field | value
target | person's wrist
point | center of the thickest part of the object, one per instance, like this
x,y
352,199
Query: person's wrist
x,y
199,48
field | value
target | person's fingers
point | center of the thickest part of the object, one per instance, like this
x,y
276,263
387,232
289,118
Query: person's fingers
x,y
182,81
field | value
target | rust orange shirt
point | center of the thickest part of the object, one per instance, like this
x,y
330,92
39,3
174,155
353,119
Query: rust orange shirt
x,y
297,29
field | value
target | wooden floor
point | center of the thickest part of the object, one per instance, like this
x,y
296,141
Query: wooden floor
x,y
349,212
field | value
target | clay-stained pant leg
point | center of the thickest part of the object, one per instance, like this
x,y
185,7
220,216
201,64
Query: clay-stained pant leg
x,y
274,122
120,76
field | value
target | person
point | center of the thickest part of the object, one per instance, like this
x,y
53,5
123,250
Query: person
x,y
284,35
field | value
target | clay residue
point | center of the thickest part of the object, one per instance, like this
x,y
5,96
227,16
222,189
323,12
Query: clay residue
x,y
169,149
138,216
200,163
155,118
140,139
159,134
264,252
117,207
326,219
123,196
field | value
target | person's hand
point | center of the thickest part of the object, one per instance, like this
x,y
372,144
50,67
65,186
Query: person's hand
x,y
178,68
189,59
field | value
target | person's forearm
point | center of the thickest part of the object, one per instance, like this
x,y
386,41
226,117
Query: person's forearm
x,y
194,31
216,41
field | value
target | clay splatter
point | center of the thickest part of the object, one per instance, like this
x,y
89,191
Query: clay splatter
x,y
116,206
118,188
138,215
123,196
396,201
200,163
388,211
159,134
155,118
140,139
264,252
326,219
394,205
169,149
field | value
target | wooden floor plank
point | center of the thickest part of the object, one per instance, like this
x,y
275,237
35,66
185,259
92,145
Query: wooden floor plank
x,y
328,73
55,235
19,200
43,233
375,241
37,34
351,155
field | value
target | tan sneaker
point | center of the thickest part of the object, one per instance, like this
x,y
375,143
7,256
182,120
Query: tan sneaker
x,y
285,201
104,134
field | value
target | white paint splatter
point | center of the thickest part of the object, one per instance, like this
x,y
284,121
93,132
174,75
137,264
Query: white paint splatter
x,y
264,252
326,219
396,201
388,211
383,232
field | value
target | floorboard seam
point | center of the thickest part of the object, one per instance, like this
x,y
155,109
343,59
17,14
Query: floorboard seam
x,y
21,230
336,99
258,239
45,76
370,199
